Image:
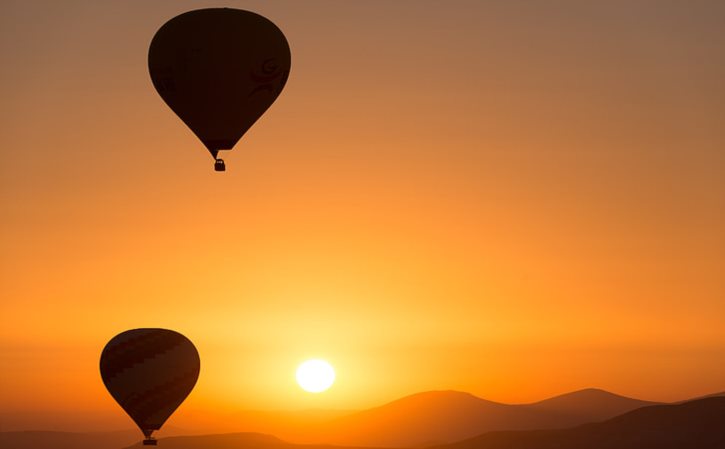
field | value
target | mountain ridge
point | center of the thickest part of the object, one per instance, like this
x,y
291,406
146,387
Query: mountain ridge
x,y
686,425
437,417
445,416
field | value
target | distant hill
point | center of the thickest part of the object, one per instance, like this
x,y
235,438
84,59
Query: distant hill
x,y
68,440
587,405
711,395
289,425
698,424
422,419
439,417
227,441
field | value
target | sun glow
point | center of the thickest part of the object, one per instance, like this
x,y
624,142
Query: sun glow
x,y
315,376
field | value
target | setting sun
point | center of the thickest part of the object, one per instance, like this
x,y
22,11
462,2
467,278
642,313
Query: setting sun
x,y
336,225
315,376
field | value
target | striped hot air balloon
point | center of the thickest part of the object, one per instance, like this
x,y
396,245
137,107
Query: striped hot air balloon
x,y
149,372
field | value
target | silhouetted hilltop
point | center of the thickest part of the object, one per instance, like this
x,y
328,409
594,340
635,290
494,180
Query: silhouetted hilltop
x,y
225,441
711,395
697,424
588,405
289,425
68,440
423,419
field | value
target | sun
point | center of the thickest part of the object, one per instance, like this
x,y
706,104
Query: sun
x,y
315,375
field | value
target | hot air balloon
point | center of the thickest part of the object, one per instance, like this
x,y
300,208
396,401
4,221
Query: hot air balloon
x,y
219,70
149,372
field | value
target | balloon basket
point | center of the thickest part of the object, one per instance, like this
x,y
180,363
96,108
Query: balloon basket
x,y
219,165
150,442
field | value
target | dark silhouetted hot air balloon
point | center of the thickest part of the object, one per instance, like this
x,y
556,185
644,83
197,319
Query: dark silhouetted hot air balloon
x,y
219,70
149,372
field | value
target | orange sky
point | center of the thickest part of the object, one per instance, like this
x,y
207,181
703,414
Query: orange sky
x,y
507,198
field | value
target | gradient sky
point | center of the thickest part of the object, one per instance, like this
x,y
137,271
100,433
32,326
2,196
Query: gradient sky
x,y
515,199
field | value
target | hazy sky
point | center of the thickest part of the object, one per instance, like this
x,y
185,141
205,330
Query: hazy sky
x,y
514,198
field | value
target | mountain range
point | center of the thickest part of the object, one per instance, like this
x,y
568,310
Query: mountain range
x,y
691,425
698,424
449,420
438,417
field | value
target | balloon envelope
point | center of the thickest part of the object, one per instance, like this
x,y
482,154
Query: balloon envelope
x,y
219,70
149,372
